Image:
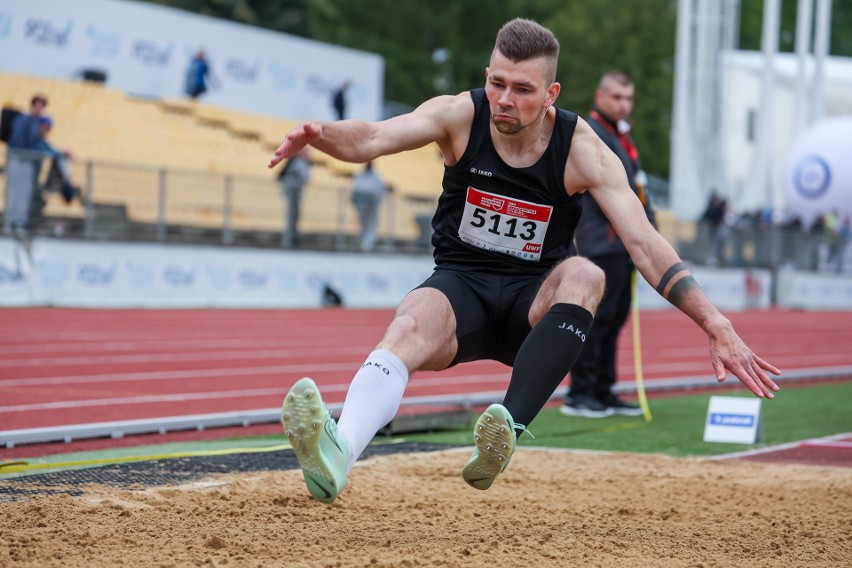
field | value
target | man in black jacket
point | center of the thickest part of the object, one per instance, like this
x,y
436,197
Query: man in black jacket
x,y
594,373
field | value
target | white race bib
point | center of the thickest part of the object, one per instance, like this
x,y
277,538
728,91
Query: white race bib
x,y
502,224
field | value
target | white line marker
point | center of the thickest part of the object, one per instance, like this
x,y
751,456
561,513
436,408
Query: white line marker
x,y
776,448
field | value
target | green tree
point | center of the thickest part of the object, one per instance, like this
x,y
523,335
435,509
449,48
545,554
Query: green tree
x,y
462,30
289,16
751,26
596,36
638,38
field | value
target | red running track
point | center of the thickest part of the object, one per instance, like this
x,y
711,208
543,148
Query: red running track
x,y
66,366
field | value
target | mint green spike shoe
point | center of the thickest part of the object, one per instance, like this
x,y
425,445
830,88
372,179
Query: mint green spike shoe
x,y
494,435
321,450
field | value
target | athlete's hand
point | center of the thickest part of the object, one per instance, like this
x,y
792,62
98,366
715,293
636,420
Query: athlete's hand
x,y
729,353
295,140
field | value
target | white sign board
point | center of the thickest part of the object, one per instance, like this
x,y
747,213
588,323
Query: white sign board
x,y
65,272
733,420
145,50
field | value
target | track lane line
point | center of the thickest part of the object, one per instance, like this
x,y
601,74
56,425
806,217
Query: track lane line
x,y
239,393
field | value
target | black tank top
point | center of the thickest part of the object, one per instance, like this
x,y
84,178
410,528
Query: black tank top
x,y
494,218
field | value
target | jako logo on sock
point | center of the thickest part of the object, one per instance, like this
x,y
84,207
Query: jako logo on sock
x,y
570,327
381,367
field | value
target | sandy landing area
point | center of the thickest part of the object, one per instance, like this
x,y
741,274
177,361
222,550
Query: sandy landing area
x,y
548,509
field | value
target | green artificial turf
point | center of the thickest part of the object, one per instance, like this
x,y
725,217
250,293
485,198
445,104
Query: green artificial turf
x,y
677,428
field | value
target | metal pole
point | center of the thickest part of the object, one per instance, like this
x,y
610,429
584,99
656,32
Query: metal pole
x,y
707,119
731,25
390,214
161,208
286,241
88,204
682,192
762,182
341,218
822,37
804,21
7,190
227,232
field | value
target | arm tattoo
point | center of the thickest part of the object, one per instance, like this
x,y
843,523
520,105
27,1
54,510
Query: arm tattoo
x,y
680,289
667,277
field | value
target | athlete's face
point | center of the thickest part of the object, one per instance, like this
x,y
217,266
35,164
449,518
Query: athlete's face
x,y
519,92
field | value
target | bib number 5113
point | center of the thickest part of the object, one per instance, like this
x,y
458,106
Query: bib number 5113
x,y
497,224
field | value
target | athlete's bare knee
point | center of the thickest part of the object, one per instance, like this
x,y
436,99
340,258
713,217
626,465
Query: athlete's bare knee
x,y
576,280
592,276
402,326
422,332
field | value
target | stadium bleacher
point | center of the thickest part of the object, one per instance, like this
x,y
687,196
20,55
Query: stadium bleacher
x,y
129,141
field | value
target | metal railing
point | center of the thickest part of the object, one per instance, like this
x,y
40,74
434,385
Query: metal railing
x,y
768,246
144,203
119,201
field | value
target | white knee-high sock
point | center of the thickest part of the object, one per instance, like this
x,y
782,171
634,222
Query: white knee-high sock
x,y
372,401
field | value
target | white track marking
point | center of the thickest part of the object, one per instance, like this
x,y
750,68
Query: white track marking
x,y
243,393
135,358
49,345
171,375
776,448
832,445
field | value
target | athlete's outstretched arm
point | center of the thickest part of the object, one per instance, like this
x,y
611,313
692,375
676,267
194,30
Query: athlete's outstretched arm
x,y
361,141
603,174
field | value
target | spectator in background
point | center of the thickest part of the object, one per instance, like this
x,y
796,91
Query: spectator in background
x,y
338,101
293,177
58,175
713,223
818,225
45,125
594,374
59,172
368,189
831,237
199,75
23,163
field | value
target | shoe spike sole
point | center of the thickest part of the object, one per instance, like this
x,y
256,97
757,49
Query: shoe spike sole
x,y
302,417
494,436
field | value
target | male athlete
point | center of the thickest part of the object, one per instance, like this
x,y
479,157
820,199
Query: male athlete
x,y
503,286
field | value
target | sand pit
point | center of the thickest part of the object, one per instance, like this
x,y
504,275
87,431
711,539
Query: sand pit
x,y
549,509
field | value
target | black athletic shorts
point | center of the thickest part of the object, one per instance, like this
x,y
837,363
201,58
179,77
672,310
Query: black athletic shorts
x,y
492,312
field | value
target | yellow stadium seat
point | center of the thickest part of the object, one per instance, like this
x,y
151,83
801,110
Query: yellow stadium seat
x,y
130,141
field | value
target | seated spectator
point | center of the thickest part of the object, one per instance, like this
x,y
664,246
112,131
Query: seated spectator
x,y
58,177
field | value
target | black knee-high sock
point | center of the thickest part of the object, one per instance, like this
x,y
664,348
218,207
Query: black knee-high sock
x,y
544,359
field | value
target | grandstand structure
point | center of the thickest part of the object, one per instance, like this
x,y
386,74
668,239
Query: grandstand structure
x,y
157,167
166,168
